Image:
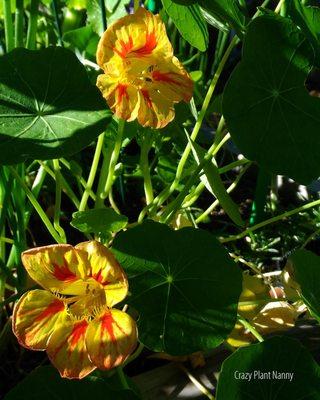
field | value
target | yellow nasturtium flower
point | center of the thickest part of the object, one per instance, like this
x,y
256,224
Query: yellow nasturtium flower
x,y
73,319
142,78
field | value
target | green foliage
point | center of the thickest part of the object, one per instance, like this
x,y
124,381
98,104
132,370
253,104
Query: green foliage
x,y
275,355
306,266
48,114
190,23
45,382
99,221
176,282
266,105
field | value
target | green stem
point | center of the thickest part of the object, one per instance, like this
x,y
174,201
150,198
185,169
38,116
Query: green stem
x,y
144,166
92,174
250,328
99,201
103,14
36,206
19,20
114,159
135,355
209,210
8,25
57,206
260,197
270,221
32,27
136,5
56,18
122,378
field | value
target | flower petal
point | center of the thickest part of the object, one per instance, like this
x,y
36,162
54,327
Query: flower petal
x,y
110,338
106,270
57,268
35,316
138,35
67,350
122,98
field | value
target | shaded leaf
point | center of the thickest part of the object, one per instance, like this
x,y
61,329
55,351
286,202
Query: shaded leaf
x,y
183,284
275,356
271,117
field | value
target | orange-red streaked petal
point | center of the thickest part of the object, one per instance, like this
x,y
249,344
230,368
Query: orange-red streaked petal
x,y
138,35
57,268
67,350
106,270
35,316
122,98
110,338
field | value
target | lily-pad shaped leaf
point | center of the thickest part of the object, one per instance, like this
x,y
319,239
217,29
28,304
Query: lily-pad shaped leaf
x,y
306,272
182,283
278,368
100,220
48,107
46,383
270,114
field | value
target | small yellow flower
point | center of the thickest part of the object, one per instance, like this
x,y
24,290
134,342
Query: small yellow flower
x,y
72,319
142,79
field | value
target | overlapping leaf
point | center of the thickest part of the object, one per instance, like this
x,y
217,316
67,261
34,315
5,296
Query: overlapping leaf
x,y
48,108
270,114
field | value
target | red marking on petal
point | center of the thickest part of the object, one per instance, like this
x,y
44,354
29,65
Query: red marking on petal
x,y
163,77
63,273
146,96
53,308
106,325
122,92
78,332
125,47
149,46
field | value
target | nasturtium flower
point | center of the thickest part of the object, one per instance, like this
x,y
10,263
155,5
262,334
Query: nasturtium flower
x,y
72,318
142,78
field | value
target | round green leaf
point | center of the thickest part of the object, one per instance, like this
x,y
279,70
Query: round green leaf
x,y
48,107
98,221
268,110
45,383
306,266
183,284
261,371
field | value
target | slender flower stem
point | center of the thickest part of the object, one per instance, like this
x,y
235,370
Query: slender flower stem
x,y
136,5
122,378
57,21
135,355
270,221
8,25
250,328
36,206
32,27
144,166
196,383
114,159
57,206
92,174
19,19
99,201
216,202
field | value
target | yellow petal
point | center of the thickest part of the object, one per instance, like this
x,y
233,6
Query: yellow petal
x,y
35,316
138,35
122,98
67,350
110,338
58,268
106,270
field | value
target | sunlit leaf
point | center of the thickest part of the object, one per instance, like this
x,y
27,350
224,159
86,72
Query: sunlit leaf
x,y
48,108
